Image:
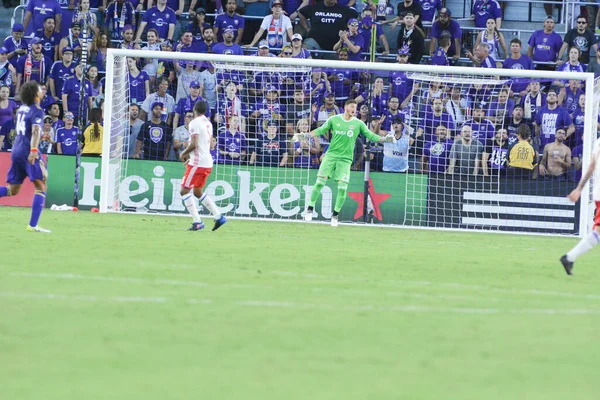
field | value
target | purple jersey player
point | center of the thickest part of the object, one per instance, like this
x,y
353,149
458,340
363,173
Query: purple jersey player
x,y
26,160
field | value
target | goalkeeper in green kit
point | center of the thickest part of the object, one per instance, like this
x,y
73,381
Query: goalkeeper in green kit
x,y
344,128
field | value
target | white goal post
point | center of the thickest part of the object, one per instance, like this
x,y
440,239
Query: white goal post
x,y
114,165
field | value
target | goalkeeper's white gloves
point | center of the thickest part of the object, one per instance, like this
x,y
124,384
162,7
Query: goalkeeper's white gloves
x,y
389,138
304,136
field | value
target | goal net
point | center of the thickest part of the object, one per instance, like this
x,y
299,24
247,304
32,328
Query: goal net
x,y
476,149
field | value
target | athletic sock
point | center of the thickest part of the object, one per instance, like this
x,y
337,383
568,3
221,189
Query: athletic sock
x,y
316,192
37,205
341,197
4,191
584,245
190,203
210,205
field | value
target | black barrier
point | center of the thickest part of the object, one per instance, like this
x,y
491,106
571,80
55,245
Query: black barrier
x,y
504,204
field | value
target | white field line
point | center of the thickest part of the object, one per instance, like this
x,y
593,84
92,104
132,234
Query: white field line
x,y
169,282
166,282
535,292
411,308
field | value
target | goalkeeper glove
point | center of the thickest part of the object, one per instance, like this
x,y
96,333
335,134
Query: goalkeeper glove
x,y
388,139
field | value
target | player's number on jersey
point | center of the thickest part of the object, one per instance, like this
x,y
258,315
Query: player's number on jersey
x,y
20,124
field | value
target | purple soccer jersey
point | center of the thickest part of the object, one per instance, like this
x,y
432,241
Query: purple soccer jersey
x,y
232,143
60,73
429,7
498,155
550,120
485,9
338,86
11,45
40,10
483,131
39,68
187,104
137,87
453,30
524,62
430,122
6,113
48,43
545,45
225,20
28,117
222,48
359,41
578,118
68,140
72,89
438,154
440,58
400,85
160,20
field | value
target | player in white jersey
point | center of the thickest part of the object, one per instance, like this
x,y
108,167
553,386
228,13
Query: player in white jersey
x,y
593,238
198,167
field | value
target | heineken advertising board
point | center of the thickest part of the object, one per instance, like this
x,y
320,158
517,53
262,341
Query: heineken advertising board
x,y
266,192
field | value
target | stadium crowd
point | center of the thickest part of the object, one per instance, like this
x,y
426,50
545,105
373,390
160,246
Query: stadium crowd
x,y
441,127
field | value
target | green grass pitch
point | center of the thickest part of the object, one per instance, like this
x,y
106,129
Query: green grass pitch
x,y
135,307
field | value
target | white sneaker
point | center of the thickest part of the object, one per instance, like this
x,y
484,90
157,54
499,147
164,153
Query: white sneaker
x,y
37,229
308,216
334,221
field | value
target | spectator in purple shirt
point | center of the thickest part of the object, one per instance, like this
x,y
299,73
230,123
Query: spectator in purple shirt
x,y
445,25
484,9
429,7
440,57
518,61
39,10
482,57
365,30
550,117
50,39
161,18
351,40
544,45
227,46
232,144
436,153
16,45
229,19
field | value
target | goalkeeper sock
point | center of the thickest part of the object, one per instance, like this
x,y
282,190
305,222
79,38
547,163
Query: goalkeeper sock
x,y
210,205
190,203
4,191
39,198
316,191
341,196
585,245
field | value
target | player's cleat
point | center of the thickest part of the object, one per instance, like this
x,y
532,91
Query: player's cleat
x,y
219,222
196,226
37,229
568,265
334,221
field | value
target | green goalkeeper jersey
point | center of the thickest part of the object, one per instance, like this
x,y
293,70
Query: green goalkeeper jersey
x,y
343,136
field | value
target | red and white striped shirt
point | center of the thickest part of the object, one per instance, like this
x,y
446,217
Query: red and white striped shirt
x,y
201,157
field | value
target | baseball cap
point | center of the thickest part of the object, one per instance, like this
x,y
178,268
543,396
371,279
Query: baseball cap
x,y
194,84
446,11
75,25
67,49
549,17
156,103
229,29
352,21
127,27
297,36
206,64
409,13
35,40
47,118
3,50
200,10
272,122
18,28
263,44
277,3
327,94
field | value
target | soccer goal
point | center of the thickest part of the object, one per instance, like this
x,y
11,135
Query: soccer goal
x,y
461,160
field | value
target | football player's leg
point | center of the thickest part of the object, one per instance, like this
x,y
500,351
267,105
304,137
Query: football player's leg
x,y
342,176
324,172
188,198
37,174
15,177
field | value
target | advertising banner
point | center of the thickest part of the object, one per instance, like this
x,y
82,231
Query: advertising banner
x,y
267,192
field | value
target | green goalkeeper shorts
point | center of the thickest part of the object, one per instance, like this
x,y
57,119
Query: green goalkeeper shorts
x,y
335,169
